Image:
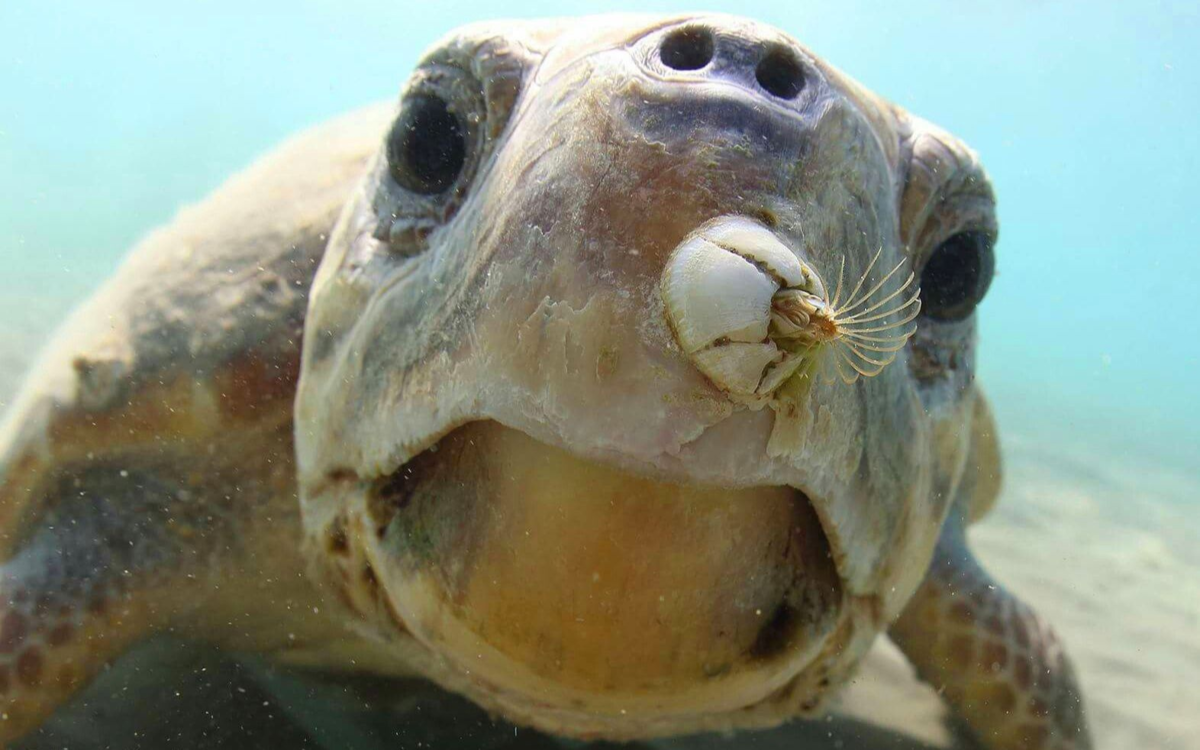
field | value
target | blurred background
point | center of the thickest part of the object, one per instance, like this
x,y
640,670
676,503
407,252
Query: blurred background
x,y
113,115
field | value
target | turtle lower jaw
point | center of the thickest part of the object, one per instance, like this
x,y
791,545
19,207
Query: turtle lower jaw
x,y
561,587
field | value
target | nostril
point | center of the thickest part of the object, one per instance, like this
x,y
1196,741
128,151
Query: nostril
x,y
687,49
780,74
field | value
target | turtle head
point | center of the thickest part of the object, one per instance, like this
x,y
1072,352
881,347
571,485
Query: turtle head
x,y
564,429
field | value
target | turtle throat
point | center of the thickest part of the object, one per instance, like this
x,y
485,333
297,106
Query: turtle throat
x,y
575,584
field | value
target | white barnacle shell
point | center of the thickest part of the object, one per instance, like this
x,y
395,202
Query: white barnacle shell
x,y
718,286
779,372
755,243
712,294
738,367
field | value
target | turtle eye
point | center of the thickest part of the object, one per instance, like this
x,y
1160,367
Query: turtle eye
x,y
427,146
956,276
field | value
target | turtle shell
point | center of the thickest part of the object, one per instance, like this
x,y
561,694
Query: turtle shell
x,y
197,335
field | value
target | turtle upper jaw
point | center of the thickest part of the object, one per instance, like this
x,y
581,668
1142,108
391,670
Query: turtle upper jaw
x,y
591,600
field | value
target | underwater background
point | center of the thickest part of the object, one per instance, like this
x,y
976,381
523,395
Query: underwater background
x,y
114,115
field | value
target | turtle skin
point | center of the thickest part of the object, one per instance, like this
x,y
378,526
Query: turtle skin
x,y
147,476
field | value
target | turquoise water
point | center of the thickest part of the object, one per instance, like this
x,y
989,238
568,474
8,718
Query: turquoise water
x,y
113,115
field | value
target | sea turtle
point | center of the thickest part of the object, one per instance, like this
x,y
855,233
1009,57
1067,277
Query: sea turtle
x,y
596,421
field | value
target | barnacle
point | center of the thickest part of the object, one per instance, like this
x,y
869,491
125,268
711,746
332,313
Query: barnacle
x,y
855,326
752,314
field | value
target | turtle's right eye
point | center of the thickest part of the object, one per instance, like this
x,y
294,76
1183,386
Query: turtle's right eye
x,y
956,276
427,147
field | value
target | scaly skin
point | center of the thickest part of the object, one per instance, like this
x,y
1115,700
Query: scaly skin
x,y
133,545
996,661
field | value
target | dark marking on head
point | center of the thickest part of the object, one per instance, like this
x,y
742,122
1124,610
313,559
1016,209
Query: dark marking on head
x,y
962,648
13,630
29,667
994,657
61,634
962,612
1021,636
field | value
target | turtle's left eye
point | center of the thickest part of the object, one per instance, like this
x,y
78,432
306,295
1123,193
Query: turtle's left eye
x,y
956,276
427,147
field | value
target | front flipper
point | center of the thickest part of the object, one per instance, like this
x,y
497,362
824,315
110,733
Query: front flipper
x,y
71,598
995,660
93,576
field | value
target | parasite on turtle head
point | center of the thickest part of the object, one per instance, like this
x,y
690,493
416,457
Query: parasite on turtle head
x,y
752,314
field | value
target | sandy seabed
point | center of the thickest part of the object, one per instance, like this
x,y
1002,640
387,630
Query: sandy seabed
x,y
1105,543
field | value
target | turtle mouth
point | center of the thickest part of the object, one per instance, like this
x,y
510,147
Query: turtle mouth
x,y
572,586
